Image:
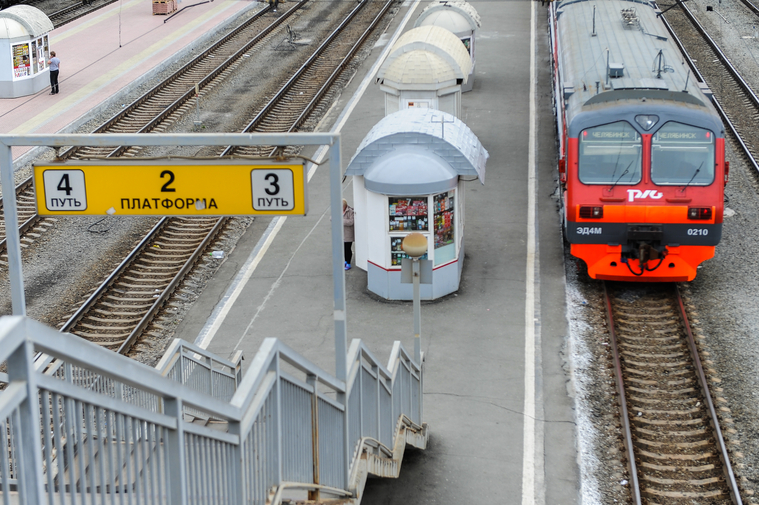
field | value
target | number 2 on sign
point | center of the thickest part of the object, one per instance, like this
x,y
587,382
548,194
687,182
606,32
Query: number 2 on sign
x,y
165,188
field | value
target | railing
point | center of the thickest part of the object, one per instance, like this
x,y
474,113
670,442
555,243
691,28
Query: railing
x,y
88,425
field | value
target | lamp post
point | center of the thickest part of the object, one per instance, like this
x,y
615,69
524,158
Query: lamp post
x,y
415,245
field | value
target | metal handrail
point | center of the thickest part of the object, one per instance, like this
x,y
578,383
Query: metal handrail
x,y
62,426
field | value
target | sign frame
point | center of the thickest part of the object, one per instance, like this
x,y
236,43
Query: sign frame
x,y
172,187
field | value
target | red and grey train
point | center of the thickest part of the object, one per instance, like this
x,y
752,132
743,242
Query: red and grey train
x,y
642,149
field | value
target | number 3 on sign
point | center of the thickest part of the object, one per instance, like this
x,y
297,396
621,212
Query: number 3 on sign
x,y
273,189
65,190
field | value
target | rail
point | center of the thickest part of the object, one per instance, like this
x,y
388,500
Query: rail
x,y
65,440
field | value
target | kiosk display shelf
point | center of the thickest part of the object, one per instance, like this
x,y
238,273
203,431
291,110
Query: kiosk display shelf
x,y
408,213
397,253
445,247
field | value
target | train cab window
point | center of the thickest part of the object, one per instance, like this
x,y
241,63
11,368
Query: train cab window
x,y
610,154
682,155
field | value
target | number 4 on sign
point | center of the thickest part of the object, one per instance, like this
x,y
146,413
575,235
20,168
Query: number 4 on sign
x,y
64,190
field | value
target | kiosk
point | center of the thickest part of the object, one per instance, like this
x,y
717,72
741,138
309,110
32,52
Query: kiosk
x,y
24,39
459,18
425,69
407,177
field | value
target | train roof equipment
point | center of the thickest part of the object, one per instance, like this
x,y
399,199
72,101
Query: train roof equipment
x,y
612,51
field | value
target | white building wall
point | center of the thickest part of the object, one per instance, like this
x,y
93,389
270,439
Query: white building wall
x,y
361,222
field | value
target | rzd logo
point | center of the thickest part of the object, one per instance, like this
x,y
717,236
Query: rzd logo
x,y
633,194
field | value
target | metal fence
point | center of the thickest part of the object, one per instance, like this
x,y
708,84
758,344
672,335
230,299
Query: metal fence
x,y
85,425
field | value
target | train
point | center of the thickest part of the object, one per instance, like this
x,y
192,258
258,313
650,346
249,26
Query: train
x,y
641,162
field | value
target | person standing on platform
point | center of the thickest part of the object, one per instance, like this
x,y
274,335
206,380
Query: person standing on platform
x,y
348,233
55,65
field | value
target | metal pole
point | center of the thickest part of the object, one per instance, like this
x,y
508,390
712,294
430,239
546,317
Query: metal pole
x,y
417,312
12,238
338,265
338,280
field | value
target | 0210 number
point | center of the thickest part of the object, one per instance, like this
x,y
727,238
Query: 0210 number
x,y
698,231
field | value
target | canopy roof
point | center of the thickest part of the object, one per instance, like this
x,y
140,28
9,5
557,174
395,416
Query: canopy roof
x,y
456,17
418,151
23,20
435,40
419,69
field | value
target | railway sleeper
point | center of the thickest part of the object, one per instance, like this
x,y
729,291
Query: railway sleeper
x,y
151,279
663,392
648,347
652,339
141,306
681,445
143,301
633,398
701,432
652,355
685,494
676,457
672,468
117,314
106,329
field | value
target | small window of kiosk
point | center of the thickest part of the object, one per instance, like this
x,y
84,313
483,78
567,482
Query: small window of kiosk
x,y
445,244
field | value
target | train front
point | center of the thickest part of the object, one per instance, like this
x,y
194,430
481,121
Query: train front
x,y
643,166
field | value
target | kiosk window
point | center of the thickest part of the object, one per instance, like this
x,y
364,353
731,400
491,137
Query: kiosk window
x,y
682,155
408,213
21,62
610,154
396,251
445,246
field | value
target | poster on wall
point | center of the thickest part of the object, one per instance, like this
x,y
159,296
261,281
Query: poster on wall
x,y
21,62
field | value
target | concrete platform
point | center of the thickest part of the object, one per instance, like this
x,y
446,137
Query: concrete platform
x,y
109,51
497,398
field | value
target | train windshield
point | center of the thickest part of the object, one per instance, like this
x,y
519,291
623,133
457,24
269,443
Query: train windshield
x,y
610,154
682,155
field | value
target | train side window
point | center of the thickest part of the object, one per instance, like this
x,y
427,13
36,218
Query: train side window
x,y
610,154
682,155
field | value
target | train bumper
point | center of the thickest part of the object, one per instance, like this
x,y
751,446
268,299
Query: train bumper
x,y
605,262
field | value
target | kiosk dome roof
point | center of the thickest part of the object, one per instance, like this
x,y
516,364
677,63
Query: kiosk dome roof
x,y
23,20
435,40
420,68
454,16
447,148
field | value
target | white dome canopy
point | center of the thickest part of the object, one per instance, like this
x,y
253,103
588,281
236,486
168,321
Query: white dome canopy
x,y
454,16
418,69
452,150
23,20
437,41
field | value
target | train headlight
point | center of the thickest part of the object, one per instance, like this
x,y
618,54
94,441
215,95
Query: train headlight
x,y
646,121
591,212
699,213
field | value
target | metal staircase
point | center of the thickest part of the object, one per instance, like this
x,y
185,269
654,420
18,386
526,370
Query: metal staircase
x,y
81,424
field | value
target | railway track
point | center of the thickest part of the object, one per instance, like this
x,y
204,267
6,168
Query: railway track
x,y
676,452
735,99
75,11
118,311
161,104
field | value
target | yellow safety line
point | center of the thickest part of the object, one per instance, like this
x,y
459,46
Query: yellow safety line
x,y
104,79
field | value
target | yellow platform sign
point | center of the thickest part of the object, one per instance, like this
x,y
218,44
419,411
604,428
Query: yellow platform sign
x,y
171,188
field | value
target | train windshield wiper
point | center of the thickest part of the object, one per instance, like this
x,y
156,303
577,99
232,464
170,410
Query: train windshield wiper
x,y
694,176
622,175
